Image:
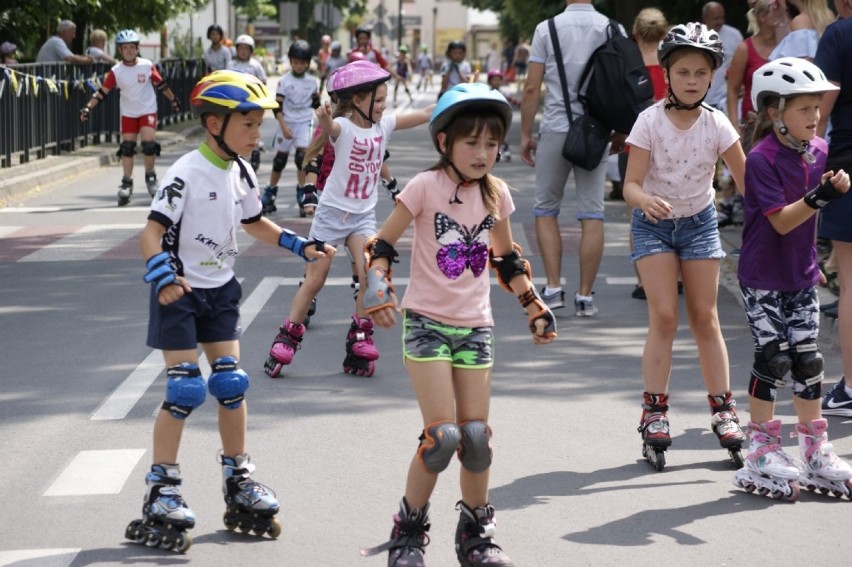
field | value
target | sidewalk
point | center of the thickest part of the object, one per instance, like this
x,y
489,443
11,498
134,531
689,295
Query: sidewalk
x,y
18,181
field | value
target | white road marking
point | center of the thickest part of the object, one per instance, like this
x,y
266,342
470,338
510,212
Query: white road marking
x,y
4,230
38,557
85,244
621,280
96,472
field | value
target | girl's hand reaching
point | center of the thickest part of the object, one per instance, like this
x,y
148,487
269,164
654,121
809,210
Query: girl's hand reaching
x,y
655,208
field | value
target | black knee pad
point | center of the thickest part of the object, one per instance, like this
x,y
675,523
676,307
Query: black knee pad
x,y
150,148
807,370
772,361
126,149
299,157
279,162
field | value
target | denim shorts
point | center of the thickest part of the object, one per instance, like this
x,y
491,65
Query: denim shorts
x,y
690,238
199,317
427,340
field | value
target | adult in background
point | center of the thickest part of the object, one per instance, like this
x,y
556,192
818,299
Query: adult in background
x,y
217,56
57,50
97,43
7,54
581,30
833,58
713,16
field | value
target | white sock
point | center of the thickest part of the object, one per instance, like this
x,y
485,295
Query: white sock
x,y
551,290
583,297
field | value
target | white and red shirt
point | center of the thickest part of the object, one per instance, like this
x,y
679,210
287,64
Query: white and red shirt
x,y
136,82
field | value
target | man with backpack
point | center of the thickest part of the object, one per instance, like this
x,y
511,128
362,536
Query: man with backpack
x,y
580,30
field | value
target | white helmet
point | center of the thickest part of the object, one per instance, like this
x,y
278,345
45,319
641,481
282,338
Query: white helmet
x,y
245,40
127,36
787,77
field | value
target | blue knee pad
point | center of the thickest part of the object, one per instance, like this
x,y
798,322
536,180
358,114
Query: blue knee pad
x,y
438,442
279,162
185,390
807,370
227,383
150,148
299,157
475,448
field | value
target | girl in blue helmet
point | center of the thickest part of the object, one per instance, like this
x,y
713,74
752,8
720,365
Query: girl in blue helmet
x,y
460,214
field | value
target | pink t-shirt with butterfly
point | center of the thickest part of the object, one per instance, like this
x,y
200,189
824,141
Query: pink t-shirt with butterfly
x,y
450,280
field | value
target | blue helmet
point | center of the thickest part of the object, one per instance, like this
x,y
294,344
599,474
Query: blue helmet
x,y
464,96
127,36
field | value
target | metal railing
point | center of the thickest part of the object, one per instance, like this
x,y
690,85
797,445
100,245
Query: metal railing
x,y
40,107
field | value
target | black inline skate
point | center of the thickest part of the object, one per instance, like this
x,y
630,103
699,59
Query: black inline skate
x,y
726,426
151,182
165,515
654,428
475,545
306,198
125,190
251,506
267,200
361,351
408,537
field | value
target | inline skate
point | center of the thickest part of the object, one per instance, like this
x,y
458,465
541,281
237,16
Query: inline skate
x,y
306,198
250,506
822,470
125,190
267,200
284,347
151,182
654,428
165,515
475,545
768,469
361,352
726,425
408,537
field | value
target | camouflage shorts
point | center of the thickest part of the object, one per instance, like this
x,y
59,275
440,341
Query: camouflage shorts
x,y
427,340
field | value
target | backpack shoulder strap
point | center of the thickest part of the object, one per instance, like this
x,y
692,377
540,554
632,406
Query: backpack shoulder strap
x,y
560,66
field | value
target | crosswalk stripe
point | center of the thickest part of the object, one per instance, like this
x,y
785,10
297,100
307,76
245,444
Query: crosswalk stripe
x,y
85,244
38,557
113,467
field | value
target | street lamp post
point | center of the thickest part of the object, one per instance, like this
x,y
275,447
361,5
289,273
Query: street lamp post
x,y
399,32
434,32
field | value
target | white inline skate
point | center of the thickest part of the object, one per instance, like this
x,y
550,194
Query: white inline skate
x,y
768,469
822,470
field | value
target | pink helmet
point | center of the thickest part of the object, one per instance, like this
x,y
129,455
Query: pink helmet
x,y
355,55
356,77
326,39
495,73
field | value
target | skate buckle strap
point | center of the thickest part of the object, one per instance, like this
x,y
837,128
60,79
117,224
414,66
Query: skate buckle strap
x,y
755,454
655,423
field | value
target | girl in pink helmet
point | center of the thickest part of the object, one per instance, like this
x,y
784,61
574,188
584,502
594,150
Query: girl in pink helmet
x,y
359,130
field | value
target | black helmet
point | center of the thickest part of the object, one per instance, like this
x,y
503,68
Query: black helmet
x,y
215,27
456,44
695,35
363,29
299,49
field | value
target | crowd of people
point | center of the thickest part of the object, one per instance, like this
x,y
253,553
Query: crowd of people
x,y
764,120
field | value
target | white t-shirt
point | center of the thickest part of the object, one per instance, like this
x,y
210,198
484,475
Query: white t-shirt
x,y
252,67
298,93
682,162
136,82
201,201
217,59
352,184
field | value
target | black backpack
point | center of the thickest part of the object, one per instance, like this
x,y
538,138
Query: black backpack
x,y
616,86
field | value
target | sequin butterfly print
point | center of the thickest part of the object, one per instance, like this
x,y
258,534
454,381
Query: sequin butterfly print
x,y
462,247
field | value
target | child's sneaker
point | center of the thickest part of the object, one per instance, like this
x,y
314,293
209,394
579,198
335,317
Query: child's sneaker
x,y
555,300
837,401
584,306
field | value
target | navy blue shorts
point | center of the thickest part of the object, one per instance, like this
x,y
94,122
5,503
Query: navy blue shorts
x,y
203,316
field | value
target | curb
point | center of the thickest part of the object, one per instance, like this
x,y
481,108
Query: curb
x,y
20,181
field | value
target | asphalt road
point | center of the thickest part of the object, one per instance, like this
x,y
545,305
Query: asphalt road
x,y
80,388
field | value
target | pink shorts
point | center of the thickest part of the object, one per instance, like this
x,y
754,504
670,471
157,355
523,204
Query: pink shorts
x,y
134,125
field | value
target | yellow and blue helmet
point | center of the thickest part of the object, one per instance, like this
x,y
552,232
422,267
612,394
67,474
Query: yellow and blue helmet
x,y
226,92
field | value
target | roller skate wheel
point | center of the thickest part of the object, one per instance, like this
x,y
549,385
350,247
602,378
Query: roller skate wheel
x,y
749,488
302,213
274,528
794,493
230,524
272,367
659,460
182,543
245,528
763,491
153,540
737,457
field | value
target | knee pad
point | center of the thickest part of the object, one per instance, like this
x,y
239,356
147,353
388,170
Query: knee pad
x,y
150,148
807,370
299,157
279,162
185,390
475,448
227,383
126,149
438,443
772,361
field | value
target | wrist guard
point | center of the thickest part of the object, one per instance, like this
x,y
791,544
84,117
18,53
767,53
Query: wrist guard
x,y
393,187
297,244
84,113
819,196
542,312
374,248
160,271
509,266
379,292
313,166
175,104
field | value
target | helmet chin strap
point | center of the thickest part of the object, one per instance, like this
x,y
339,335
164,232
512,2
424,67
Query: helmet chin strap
x,y
673,102
218,138
801,146
372,103
465,181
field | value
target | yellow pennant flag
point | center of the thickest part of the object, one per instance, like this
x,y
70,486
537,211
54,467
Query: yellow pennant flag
x,y
14,78
35,85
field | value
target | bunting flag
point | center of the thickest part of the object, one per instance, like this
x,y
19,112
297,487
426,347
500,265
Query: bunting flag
x,y
2,88
26,84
